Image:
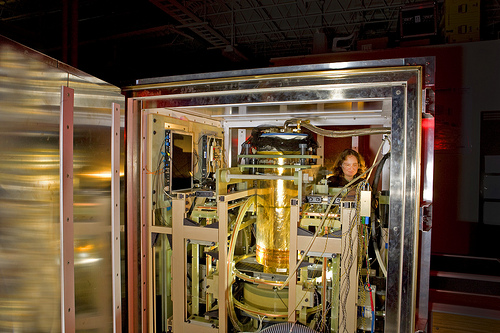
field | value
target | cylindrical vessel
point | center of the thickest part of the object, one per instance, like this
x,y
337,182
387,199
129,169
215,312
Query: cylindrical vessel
x,y
273,211
273,221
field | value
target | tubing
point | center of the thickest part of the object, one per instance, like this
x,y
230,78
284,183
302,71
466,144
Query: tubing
x,y
373,232
378,172
230,278
227,176
338,134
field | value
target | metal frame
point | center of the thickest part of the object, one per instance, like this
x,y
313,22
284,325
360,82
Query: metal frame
x,y
404,207
115,216
66,211
182,234
146,255
425,223
133,216
400,85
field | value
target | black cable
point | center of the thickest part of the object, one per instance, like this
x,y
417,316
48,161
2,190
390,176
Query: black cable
x,y
378,172
376,180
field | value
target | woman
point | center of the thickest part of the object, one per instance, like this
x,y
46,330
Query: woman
x,y
349,165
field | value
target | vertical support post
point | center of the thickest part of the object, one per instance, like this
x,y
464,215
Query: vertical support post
x,y
334,326
178,263
396,212
349,268
209,296
323,292
222,207
146,260
321,149
292,259
115,216
133,225
242,136
70,32
195,279
403,207
427,170
167,283
66,211
65,29
74,33
424,280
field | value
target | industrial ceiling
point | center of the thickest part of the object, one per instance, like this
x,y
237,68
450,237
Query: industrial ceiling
x,y
123,40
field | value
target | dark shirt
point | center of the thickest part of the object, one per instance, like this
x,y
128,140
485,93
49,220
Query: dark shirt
x,y
339,181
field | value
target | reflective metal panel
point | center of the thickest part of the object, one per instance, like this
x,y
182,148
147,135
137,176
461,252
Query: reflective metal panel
x,y
30,288
29,194
275,70
93,204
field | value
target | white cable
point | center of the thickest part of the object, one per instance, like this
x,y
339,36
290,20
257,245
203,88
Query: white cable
x,y
379,259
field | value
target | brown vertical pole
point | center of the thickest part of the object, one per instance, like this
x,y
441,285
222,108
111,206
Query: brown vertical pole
x,y
74,34
66,211
133,228
70,32
65,27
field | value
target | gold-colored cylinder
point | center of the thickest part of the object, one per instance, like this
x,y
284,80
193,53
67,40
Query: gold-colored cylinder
x,y
273,221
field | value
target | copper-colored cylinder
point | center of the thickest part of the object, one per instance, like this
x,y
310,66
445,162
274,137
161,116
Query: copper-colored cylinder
x,y
273,221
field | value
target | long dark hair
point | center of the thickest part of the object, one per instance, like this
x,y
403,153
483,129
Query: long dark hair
x,y
337,166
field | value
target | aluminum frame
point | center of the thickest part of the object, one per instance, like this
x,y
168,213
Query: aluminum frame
x,y
400,85
115,217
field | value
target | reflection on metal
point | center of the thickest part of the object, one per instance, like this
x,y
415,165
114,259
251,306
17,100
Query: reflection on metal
x,y
161,81
31,206
404,207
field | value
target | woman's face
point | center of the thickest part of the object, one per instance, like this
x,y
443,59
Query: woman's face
x,y
350,167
